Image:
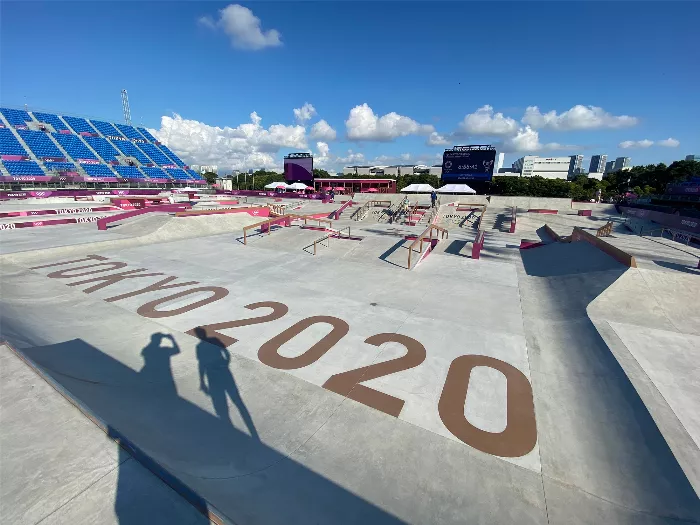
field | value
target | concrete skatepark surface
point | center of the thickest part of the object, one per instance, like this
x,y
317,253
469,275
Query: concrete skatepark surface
x,y
550,385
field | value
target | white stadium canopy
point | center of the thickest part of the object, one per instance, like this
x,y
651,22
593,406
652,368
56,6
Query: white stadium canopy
x,y
275,185
456,188
418,188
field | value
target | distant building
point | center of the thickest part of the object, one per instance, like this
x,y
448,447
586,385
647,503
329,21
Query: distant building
x,y
693,157
546,167
436,170
499,161
575,165
622,163
609,166
597,164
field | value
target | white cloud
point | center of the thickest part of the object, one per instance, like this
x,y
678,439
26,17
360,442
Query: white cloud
x,y
351,158
484,122
578,117
243,28
435,139
363,124
527,140
322,131
304,113
248,145
668,143
628,144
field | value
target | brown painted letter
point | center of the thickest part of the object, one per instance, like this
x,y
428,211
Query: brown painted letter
x,y
112,279
88,258
347,383
64,274
160,285
269,355
149,309
520,434
211,333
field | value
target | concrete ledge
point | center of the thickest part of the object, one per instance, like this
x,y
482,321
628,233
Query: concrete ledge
x,y
616,253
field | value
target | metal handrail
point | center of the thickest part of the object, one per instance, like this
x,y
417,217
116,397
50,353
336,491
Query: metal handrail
x,y
420,239
360,211
334,233
289,218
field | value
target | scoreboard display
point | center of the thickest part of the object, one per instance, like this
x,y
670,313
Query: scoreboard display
x,y
464,163
299,167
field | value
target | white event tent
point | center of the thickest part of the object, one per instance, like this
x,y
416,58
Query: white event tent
x,y
456,188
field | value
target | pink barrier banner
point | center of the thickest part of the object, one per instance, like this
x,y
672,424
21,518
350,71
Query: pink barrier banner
x,y
78,178
55,159
254,193
26,178
50,222
170,208
689,224
65,132
161,181
58,211
88,161
13,157
4,195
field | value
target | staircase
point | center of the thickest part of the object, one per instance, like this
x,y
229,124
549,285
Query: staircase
x,y
78,167
31,154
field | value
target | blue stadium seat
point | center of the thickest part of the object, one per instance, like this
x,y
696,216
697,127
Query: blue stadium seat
x,y
155,173
16,117
9,145
79,124
74,146
59,166
146,134
98,170
22,167
130,150
103,147
50,118
107,129
129,131
129,172
194,175
156,155
172,155
40,143
177,174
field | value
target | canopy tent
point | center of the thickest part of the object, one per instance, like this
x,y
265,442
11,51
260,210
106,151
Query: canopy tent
x,y
297,186
418,188
456,188
275,185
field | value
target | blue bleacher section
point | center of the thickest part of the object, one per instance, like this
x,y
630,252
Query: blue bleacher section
x,y
79,124
74,146
146,134
98,170
59,166
172,155
50,118
9,145
16,117
40,143
22,167
107,129
103,147
157,155
177,174
194,175
129,172
155,173
129,131
130,150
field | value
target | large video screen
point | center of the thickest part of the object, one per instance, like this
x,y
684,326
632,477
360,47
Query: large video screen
x,y
464,165
298,169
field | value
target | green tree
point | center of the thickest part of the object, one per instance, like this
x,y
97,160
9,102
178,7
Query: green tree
x,y
210,177
321,174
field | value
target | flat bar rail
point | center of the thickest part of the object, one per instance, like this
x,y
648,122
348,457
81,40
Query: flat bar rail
x,y
334,233
282,219
429,232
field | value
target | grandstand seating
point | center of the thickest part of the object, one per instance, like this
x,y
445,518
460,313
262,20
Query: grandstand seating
x,y
98,170
129,131
59,166
177,174
79,125
155,173
157,155
194,175
50,118
74,146
147,135
16,117
107,129
171,155
9,145
129,172
40,143
103,147
130,150
22,167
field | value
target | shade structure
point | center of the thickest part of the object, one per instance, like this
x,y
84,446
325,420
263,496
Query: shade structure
x,y
418,188
372,190
297,186
456,188
275,185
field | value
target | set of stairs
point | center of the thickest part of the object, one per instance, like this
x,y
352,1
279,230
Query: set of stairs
x,y
68,158
24,144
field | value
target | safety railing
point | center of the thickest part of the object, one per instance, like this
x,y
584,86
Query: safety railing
x,y
361,212
422,238
265,226
326,238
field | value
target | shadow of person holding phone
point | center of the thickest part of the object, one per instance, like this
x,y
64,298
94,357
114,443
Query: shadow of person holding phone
x,y
156,362
216,379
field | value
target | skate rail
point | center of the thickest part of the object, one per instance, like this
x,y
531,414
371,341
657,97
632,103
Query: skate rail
x,y
422,238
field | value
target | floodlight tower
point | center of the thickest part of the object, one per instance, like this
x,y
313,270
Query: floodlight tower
x,y
125,107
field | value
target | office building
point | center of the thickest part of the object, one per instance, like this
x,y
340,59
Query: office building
x,y
693,157
622,163
575,165
546,167
597,164
609,166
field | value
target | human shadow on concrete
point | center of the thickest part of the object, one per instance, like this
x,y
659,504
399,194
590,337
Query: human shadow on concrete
x,y
216,379
595,434
686,268
218,468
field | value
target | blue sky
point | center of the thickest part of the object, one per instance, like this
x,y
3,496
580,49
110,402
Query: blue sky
x,y
394,81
